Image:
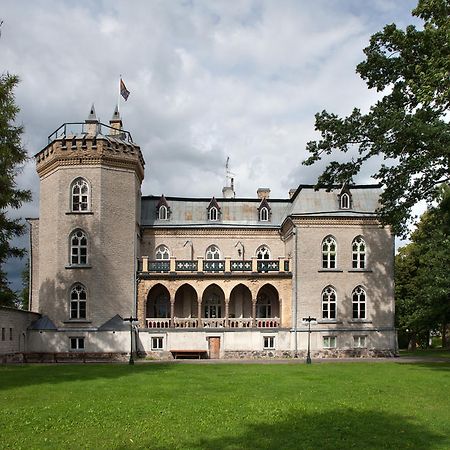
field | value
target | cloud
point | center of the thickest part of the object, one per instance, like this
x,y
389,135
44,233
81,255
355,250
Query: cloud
x,y
207,79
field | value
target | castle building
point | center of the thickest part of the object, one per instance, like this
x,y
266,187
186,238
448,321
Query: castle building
x,y
210,277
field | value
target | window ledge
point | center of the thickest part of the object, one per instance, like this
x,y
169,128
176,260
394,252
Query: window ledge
x,y
70,213
80,266
332,321
330,270
359,321
361,270
77,321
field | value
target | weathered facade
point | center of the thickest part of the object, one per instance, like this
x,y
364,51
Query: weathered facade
x,y
223,277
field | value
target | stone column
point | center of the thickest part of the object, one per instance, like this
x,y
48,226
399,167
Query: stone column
x,y
254,264
145,264
281,263
254,313
172,313
199,312
227,264
227,306
172,264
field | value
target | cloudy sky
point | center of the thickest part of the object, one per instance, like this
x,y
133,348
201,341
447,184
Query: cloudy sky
x,y
208,80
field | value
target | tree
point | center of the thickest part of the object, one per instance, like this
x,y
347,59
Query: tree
x,y
422,284
12,157
408,126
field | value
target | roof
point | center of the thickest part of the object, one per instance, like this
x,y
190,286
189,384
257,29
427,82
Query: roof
x,y
116,323
243,212
43,323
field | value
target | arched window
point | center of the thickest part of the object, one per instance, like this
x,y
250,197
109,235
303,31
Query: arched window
x,y
78,248
162,212
329,252
329,303
263,306
162,252
79,195
212,213
213,307
358,253
263,252
212,252
78,302
345,201
264,214
359,303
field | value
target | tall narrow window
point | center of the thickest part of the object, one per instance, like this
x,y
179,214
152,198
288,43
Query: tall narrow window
x,y
162,252
264,214
162,212
212,252
359,303
329,303
358,253
78,302
78,248
329,252
263,306
345,201
80,195
263,252
212,214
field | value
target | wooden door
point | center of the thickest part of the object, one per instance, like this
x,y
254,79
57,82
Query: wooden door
x,y
214,347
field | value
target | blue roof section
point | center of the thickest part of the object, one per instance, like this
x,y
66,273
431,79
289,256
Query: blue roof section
x,y
43,323
235,212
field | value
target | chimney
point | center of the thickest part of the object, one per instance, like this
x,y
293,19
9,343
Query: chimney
x,y
263,193
92,122
228,191
292,192
116,121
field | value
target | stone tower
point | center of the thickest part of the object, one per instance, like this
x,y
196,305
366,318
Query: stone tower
x,y
84,243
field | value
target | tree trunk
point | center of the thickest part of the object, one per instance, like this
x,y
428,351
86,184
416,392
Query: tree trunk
x,y
412,345
444,333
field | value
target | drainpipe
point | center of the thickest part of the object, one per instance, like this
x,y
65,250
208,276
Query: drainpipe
x,y
294,293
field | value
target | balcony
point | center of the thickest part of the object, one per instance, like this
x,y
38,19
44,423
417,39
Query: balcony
x,y
245,322
200,266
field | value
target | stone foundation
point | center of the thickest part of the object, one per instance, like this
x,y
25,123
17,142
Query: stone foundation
x,y
285,354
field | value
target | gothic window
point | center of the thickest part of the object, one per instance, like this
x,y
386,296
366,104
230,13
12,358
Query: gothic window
x,y
329,251
359,303
162,212
264,214
212,214
358,253
263,252
78,248
329,303
263,306
212,252
213,307
78,302
80,195
345,201
162,252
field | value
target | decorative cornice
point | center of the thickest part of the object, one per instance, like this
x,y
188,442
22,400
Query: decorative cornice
x,y
209,231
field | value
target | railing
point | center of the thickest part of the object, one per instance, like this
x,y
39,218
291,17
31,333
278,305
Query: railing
x,y
157,323
221,322
227,265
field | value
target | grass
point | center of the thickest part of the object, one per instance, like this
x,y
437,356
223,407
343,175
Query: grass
x,y
428,353
260,406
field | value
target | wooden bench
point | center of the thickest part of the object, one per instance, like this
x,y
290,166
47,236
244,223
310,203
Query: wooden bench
x,y
189,354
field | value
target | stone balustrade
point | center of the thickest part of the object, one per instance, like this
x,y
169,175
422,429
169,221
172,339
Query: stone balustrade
x,y
221,322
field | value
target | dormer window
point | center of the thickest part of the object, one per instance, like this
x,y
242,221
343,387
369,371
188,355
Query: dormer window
x,y
345,201
213,210
264,211
162,209
162,213
212,214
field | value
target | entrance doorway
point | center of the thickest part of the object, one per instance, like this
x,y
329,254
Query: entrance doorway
x,y
214,347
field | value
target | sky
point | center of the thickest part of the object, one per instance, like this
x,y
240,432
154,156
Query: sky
x,y
208,80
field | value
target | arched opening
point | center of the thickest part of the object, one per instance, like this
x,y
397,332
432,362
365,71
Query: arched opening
x,y
240,307
267,306
158,303
186,305
213,302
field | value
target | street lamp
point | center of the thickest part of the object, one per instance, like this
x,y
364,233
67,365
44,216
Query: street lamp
x,y
131,320
309,319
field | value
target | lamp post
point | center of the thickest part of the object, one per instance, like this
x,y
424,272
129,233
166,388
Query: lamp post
x,y
309,319
131,319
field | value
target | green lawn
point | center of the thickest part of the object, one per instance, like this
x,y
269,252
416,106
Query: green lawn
x,y
224,406
428,353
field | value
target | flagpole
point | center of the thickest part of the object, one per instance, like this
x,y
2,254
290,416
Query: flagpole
x,y
118,94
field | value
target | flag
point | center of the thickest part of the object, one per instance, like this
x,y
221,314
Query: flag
x,y
124,92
